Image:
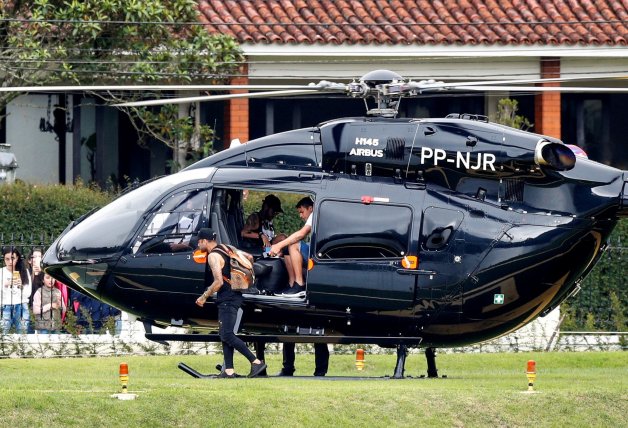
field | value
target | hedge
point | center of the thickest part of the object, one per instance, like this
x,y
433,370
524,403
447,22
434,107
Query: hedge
x,y
593,307
29,210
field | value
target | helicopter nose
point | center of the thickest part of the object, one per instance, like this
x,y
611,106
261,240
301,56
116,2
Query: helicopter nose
x,y
85,278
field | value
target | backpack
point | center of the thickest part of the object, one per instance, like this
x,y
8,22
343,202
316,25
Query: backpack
x,y
242,275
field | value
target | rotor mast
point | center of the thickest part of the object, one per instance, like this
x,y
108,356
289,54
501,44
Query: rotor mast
x,y
384,86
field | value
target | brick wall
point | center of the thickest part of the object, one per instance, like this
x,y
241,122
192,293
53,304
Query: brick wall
x,y
237,112
547,104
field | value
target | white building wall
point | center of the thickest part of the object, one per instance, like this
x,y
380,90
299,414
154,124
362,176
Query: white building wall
x,y
37,152
270,63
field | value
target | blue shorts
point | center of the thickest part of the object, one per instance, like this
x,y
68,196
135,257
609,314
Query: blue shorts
x,y
305,251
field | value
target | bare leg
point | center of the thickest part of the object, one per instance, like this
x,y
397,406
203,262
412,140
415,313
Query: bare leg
x,y
288,261
297,262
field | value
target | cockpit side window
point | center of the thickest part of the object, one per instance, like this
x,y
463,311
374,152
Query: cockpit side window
x,y
173,226
349,231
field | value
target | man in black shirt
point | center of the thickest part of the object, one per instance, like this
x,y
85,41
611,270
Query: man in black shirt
x,y
228,300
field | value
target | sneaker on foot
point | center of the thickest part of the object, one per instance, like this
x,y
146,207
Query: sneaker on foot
x,y
295,291
256,369
283,290
224,375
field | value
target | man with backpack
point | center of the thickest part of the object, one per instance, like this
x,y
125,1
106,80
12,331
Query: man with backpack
x,y
228,299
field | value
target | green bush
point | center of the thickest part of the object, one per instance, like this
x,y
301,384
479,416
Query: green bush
x,y
289,221
607,278
28,211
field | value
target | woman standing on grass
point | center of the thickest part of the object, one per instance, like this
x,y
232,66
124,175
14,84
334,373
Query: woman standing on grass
x,y
15,290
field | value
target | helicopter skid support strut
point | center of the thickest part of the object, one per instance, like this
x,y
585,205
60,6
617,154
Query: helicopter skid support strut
x,y
400,367
402,353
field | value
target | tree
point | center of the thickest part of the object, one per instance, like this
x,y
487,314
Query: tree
x,y
507,115
48,42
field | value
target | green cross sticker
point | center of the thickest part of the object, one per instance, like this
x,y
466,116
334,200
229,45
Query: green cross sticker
x,y
498,299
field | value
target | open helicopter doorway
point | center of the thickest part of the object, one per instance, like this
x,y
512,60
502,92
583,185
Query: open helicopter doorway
x,y
252,220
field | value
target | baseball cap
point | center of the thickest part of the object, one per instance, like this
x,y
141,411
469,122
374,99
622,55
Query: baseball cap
x,y
207,233
273,202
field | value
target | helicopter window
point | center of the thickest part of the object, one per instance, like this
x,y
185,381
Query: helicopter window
x,y
348,230
285,154
352,248
173,226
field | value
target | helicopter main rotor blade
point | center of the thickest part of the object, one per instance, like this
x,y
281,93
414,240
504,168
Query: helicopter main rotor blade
x,y
216,98
529,81
102,88
490,88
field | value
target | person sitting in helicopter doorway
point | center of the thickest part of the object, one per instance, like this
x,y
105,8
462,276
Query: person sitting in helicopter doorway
x,y
258,231
298,250
229,302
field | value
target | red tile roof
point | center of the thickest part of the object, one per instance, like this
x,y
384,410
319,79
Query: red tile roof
x,y
420,22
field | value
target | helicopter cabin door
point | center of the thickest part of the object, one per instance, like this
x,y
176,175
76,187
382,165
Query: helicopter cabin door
x,y
357,252
161,260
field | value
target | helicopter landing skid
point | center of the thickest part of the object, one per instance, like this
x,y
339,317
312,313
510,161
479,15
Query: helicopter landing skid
x,y
402,353
189,370
198,375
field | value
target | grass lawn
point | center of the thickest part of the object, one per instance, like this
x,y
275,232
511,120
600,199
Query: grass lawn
x,y
481,390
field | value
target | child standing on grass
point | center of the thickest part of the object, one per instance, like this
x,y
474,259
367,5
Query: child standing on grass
x,y
47,307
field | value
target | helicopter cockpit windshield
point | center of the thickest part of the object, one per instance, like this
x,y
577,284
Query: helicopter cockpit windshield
x,y
117,221
173,227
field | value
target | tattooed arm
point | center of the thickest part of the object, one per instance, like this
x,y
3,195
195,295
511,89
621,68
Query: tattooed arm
x,y
216,263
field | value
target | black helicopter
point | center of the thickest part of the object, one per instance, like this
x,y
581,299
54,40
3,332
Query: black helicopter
x,y
427,232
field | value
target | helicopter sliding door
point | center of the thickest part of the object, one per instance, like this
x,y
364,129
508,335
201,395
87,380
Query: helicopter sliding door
x,y
161,254
358,250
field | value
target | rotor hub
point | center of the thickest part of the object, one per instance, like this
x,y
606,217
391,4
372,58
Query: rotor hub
x,y
380,77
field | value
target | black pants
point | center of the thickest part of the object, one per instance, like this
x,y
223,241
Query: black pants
x,y
321,358
227,316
